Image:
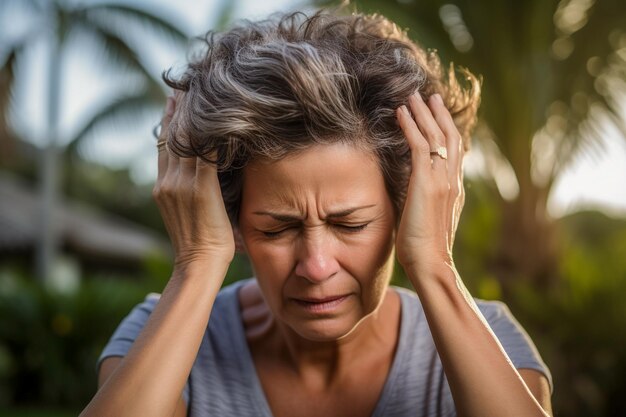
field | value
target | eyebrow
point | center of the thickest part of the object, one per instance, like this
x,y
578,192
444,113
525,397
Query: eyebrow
x,y
289,217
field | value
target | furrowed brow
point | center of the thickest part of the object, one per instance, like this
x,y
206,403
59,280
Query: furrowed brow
x,y
290,217
279,216
346,212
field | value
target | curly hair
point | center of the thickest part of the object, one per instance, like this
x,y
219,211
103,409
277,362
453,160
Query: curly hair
x,y
269,88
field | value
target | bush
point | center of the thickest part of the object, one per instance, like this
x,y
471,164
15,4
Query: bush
x,y
49,341
579,325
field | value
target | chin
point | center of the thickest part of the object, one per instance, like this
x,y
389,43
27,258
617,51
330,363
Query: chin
x,y
319,333
325,330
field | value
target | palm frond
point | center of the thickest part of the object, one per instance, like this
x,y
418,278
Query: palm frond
x,y
117,50
17,45
154,19
225,14
121,110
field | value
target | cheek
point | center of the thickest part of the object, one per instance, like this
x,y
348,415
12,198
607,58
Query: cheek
x,y
270,266
263,255
373,264
271,263
377,267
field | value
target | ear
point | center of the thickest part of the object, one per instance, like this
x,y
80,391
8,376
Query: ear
x,y
239,245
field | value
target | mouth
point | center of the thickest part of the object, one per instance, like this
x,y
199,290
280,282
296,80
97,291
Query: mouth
x,y
321,305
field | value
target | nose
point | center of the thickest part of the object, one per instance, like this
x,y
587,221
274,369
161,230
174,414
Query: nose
x,y
316,258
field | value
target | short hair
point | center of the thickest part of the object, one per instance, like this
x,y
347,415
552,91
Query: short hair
x,y
265,89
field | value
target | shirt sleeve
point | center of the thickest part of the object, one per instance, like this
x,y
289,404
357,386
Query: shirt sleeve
x,y
124,336
516,342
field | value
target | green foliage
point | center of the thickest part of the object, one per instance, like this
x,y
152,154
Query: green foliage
x,y
475,245
49,342
579,325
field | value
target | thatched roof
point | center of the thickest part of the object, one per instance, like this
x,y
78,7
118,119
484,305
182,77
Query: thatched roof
x,y
83,230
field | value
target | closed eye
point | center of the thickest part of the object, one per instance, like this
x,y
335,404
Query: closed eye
x,y
276,233
273,234
350,228
343,227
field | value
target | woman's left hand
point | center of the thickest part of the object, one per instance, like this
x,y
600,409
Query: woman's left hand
x,y
435,194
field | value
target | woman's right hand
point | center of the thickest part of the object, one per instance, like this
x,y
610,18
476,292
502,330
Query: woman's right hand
x,y
163,352
188,195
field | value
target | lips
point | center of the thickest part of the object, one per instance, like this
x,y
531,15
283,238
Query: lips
x,y
321,300
321,305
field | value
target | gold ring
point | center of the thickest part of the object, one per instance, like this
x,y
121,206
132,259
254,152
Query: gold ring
x,y
161,144
441,152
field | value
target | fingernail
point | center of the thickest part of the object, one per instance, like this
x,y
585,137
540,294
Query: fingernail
x,y
169,106
437,98
405,110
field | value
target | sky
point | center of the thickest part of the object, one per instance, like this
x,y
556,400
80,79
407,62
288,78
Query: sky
x,y
89,81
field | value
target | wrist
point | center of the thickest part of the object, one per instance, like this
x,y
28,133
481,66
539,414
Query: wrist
x,y
205,266
204,257
425,261
433,271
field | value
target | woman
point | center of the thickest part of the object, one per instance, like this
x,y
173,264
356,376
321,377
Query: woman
x,y
321,146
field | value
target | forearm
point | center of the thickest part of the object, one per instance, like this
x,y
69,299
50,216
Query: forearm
x,y
150,379
482,379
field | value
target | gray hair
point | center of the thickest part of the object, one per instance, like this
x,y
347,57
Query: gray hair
x,y
269,88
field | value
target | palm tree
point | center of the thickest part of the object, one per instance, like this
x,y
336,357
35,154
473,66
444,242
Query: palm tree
x,y
8,141
552,74
56,20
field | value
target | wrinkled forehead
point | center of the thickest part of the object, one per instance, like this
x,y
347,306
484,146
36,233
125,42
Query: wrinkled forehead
x,y
326,175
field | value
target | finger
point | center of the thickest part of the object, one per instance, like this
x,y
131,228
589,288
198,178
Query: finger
x,y
206,172
162,163
453,143
453,140
428,126
455,159
420,149
173,169
208,181
170,108
173,160
187,168
162,150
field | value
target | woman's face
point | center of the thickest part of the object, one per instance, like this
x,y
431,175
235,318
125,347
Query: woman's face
x,y
318,227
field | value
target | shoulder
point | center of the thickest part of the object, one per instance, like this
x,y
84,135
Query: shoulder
x,y
224,305
226,295
148,303
496,313
504,324
492,310
514,339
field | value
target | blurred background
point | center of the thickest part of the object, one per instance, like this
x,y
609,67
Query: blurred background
x,y
81,241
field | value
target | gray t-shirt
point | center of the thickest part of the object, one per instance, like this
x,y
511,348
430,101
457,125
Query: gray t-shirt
x,y
223,380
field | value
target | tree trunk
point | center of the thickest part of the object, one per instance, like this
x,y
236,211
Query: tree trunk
x,y
7,141
528,249
49,174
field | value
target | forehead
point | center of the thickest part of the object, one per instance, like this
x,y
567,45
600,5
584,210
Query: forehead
x,y
330,174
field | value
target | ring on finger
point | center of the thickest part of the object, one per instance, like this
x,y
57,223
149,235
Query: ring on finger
x,y
162,144
441,152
